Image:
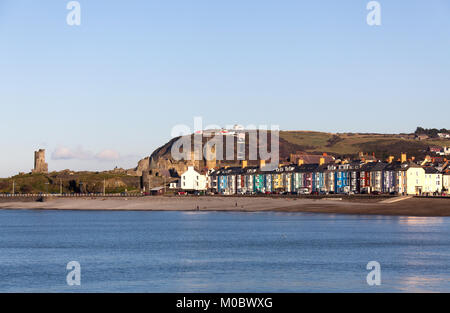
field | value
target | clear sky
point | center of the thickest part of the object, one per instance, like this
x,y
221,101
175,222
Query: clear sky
x,y
109,91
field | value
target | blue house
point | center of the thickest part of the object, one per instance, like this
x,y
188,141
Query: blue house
x,y
342,179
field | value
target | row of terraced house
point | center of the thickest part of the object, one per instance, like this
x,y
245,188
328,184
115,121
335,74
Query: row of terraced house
x,y
348,177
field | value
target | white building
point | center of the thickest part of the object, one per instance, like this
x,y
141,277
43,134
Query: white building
x,y
411,179
175,184
446,181
193,180
444,151
432,181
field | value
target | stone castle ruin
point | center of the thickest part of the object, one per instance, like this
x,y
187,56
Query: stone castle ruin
x,y
40,167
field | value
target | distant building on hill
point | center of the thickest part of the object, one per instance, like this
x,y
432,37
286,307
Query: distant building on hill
x,y
422,137
435,149
444,151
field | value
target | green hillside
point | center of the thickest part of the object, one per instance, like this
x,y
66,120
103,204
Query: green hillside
x,y
70,182
350,144
291,142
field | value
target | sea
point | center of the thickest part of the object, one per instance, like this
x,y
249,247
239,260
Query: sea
x,y
230,252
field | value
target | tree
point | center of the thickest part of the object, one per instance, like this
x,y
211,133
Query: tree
x,y
430,132
420,130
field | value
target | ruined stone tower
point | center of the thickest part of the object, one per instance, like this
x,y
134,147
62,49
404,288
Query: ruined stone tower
x,y
40,167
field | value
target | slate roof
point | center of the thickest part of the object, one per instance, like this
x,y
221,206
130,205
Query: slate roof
x,y
431,170
379,166
308,168
368,167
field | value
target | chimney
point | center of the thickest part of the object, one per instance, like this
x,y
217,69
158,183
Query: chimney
x,y
426,160
244,163
262,163
403,158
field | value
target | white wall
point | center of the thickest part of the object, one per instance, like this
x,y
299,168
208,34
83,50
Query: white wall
x,y
193,180
415,177
433,183
447,182
175,185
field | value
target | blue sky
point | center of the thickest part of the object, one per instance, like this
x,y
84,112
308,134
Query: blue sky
x,y
109,91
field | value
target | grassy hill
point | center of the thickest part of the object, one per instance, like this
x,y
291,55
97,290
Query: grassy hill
x,y
71,182
350,144
338,145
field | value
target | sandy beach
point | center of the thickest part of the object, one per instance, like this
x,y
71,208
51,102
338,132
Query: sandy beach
x,y
408,207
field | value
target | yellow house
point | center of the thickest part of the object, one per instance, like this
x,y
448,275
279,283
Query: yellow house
x,y
278,181
415,179
401,180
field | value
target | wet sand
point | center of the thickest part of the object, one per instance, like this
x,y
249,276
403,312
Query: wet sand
x,y
408,207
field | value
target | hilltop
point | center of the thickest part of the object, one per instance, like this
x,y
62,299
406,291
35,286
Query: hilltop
x,y
340,145
350,144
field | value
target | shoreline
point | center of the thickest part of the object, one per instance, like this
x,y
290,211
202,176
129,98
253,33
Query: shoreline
x,y
420,207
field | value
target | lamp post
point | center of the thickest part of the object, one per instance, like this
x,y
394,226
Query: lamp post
x,y
46,187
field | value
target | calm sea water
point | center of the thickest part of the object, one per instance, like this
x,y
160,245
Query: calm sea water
x,y
221,252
